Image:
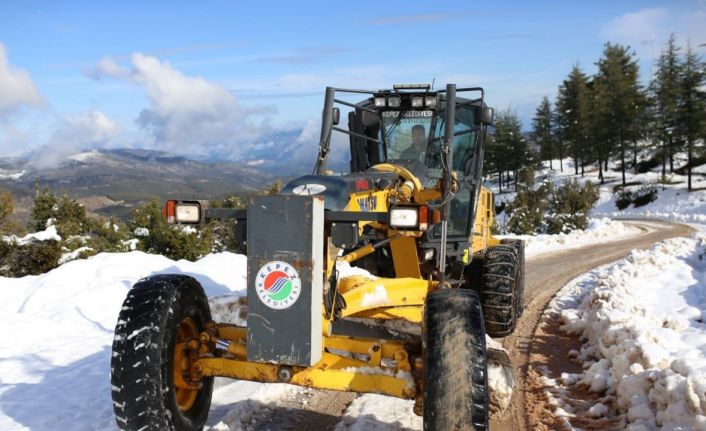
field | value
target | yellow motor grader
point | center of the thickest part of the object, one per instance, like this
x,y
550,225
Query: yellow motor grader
x,y
384,279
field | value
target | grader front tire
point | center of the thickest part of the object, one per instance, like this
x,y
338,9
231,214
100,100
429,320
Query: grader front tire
x,y
149,393
456,383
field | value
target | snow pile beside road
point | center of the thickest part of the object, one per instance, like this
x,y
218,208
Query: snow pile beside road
x,y
642,320
674,203
599,230
57,332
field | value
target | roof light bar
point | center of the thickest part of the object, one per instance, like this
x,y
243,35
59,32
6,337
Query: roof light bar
x,y
425,87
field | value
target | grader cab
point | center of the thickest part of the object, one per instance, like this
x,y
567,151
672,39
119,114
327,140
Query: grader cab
x,y
384,279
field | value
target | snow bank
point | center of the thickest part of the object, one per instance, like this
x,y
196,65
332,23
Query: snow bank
x,y
50,234
57,331
600,230
674,203
642,320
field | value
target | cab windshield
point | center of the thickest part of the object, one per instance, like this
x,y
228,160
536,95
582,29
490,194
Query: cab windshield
x,y
415,136
414,141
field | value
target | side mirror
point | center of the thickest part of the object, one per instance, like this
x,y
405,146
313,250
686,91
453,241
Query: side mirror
x,y
336,118
487,116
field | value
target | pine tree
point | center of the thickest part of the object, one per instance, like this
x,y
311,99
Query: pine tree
x,y
691,109
571,115
494,160
542,131
664,91
596,140
619,94
511,144
557,136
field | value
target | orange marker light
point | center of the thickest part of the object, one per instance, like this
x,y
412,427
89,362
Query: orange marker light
x,y
169,212
423,217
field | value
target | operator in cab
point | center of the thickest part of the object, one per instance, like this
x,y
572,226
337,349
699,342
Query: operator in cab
x,y
416,151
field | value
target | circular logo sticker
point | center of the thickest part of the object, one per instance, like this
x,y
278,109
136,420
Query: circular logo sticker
x,y
309,189
278,285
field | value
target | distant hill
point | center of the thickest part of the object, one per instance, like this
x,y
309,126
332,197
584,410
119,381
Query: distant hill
x,y
109,181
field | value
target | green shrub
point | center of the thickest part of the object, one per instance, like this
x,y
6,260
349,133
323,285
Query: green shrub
x,y
644,195
107,236
45,208
551,209
569,207
173,241
66,213
525,214
7,205
33,258
623,199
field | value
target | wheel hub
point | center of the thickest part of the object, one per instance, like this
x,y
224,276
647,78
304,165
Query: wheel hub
x,y
186,379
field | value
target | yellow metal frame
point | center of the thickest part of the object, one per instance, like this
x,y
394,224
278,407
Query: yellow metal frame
x,y
347,364
351,364
482,235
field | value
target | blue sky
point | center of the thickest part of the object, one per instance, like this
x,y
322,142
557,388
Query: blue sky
x,y
216,77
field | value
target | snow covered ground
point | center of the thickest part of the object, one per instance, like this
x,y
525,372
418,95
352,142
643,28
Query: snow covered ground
x,y
642,320
57,332
600,230
674,202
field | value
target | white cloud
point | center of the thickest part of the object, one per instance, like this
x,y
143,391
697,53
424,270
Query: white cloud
x,y
86,128
637,27
107,66
188,114
16,88
74,133
648,30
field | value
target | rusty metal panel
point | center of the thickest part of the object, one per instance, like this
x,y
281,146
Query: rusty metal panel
x,y
285,279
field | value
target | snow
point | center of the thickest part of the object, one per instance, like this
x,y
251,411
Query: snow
x,y
240,403
58,330
141,231
73,255
377,297
84,156
7,175
50,234
66,318
501,380
600,230
674,202
642,319
370,412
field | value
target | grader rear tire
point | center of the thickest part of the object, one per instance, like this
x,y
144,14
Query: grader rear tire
x,y
159,312
456,383
499,291
519,287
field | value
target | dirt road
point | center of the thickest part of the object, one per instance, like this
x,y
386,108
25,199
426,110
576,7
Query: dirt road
x,y
529,346
545,276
